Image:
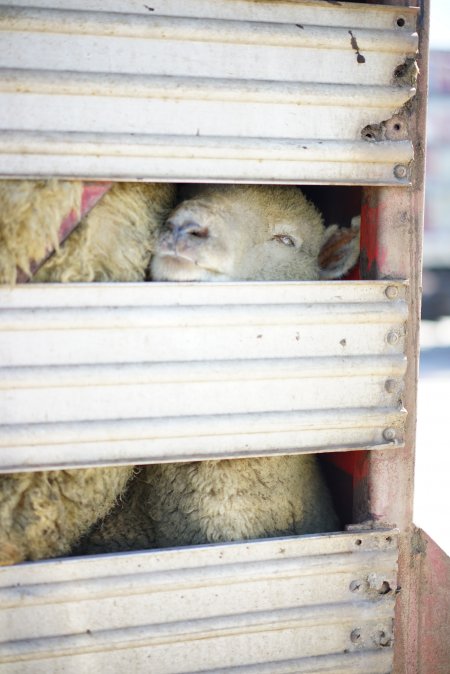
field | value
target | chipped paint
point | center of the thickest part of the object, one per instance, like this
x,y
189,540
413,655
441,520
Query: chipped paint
x,y
406,73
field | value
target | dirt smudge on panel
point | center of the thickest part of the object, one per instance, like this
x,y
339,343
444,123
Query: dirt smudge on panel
x,y
359,57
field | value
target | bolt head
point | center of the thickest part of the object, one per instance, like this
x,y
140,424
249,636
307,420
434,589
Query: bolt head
x,y
391,292
393,337
389,434
400,171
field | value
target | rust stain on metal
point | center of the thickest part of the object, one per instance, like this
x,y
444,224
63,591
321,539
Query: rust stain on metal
x,y
406,73
359,57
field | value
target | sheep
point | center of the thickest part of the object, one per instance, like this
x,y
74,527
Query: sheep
x,y
113,243
232,233
43,514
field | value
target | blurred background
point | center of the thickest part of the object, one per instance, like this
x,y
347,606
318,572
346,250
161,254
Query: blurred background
x,y
432,487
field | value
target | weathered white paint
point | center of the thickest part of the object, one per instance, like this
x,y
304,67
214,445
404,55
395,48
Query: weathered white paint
x,y
314,12
280,605
265,92
160,372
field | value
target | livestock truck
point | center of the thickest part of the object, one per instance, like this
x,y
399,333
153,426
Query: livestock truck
x,y
327,95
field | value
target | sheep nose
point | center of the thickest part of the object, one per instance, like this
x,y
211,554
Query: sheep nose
x,y
186,229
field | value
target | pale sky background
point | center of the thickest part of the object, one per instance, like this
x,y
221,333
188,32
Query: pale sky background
x,y
440,24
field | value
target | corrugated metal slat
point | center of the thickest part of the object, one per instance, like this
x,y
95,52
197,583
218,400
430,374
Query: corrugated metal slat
x,y
245,91
264,605
287,11
162,372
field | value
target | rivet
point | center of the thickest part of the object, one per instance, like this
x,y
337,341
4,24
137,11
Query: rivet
x,y
390,385
389,434
400,171
355,636
393,337
391,292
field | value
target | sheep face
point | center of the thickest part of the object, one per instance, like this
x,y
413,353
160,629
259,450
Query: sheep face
x,y
240,232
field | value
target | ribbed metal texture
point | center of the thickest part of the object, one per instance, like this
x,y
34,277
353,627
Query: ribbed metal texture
x,y
137,373
312,604
225,90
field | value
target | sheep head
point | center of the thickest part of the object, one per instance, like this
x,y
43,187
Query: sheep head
x,y
242,232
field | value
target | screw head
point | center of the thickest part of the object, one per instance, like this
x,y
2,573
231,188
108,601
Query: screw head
x,y
393,337
400,171
391,292
389,434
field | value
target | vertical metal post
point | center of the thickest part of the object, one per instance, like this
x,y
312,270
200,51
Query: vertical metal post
x,y
392,225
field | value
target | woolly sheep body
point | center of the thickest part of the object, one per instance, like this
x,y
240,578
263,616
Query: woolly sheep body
x,y
31,213
115,241
43,514
228,233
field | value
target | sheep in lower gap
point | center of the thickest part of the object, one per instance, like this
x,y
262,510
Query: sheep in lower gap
x,y
233,233
43,514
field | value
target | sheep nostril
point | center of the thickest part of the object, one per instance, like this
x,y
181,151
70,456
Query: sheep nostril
x,y
200,233
171,226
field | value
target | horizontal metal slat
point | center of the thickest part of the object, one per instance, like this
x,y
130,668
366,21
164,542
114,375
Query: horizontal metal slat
x,y
196,88
61,570
217,159
161,28
164,400
279,11
126,605
121,374
38,446
102,380
64,114
371,662
301,621
169,147
225,94
196,427
262,171
45,295
129,318
146,345
228,575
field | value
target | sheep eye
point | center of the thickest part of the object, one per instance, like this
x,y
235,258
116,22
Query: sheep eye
x,y
285,239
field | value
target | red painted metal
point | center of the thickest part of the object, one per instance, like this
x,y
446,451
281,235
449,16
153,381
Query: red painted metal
x,y
91,194
373,257
352,463
391,236
424,602
434,615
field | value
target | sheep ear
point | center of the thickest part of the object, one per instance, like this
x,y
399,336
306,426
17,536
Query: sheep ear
x,y
340,250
